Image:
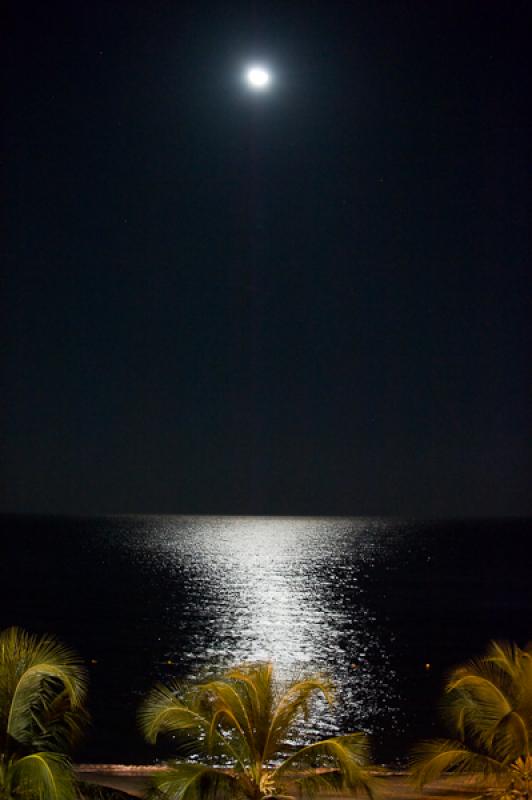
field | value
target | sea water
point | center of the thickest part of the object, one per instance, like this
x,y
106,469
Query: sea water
x,y
385,607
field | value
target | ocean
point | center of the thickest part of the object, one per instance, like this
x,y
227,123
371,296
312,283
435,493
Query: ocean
x,y
386,607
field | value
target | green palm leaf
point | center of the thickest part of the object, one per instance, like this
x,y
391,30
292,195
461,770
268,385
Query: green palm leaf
x,y
293,702
239,726
488,707
509,739
33,672
164,711
227,702
42,688
434,758
255,684
338,763
42,776
195,782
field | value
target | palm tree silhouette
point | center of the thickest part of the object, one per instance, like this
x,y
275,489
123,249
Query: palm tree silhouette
x,y
42,690
488,706
238,730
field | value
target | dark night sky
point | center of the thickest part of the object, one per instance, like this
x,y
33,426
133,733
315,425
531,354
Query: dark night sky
x,y
311,301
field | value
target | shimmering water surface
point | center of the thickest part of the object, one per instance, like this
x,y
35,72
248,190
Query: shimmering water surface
x,y
385,607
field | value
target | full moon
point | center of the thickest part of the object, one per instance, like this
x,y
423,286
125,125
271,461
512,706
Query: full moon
x,y
258,77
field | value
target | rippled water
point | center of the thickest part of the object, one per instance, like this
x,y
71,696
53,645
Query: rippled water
x,y
276,589
383,606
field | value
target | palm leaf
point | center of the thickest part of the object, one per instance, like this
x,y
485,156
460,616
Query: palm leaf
x,y
506,656
294,701
195,782
34,671
42,776
255,684
342,759
489,707
509,738
60,727
487,699
434,758
223,700
164,712
240,721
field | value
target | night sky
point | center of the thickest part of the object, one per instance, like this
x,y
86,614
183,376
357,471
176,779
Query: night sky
x,y
314,300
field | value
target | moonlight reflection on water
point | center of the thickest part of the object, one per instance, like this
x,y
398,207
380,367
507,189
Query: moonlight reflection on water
x,y
285,590
144,598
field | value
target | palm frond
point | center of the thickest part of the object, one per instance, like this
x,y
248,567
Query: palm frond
x,y
164,712
197,722
255,683
485,695
315,782
240,720
489,708
242,701
434,758
474,709
42,687
224,703
195,782
60,727
293,702
509,738
506,656
43,776
21,651
341,761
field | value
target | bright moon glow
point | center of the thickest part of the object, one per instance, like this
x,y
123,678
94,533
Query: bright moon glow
x,y
258,77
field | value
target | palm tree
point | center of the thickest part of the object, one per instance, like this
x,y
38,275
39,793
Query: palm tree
x,y
238,730
42,689
488,705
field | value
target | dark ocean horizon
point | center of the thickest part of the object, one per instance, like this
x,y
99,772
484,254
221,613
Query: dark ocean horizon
x,y
386,606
